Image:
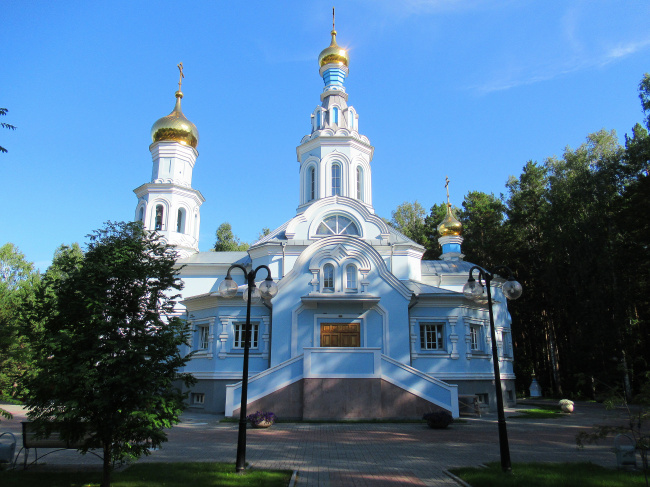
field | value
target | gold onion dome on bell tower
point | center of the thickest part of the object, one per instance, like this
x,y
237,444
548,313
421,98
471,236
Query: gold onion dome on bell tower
x,y
334,54
450,226
175,127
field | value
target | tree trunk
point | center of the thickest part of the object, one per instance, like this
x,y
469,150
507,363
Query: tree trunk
x,y
106,473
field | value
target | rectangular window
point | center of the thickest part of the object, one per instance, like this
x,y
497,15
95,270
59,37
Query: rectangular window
x,y
239,335
198,398
351,278
475,335
328,277
204,341
431,336
506,349
336,180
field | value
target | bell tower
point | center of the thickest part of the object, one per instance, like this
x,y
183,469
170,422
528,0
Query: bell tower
x,y
168,204
334,158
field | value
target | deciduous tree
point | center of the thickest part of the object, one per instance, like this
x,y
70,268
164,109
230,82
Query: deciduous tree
x,y
227,241
109,349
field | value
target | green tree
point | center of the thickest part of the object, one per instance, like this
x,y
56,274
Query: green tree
x,y
3,111
408,219
431,221
226,240
482,218
265,231
18,281
109,349
644,95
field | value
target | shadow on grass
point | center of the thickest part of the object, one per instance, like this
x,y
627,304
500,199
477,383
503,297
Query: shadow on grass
x,y
152,474
550,475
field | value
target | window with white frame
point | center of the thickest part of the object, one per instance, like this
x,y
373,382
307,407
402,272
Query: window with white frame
x,y
337,225
351,277
359,183
204,337
312,183
198,398
336,180
239,335
328,278
180,221
432,336
475,338
159,218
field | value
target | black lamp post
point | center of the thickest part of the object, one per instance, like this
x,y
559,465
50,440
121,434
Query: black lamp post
x,y
476,291
228,289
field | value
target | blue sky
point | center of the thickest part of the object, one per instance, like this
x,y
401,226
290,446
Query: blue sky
x,y
468,89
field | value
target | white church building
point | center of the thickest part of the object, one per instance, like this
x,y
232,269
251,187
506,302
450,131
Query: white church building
x,y
361,326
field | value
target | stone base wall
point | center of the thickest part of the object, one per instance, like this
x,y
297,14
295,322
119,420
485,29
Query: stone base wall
x,y
343,399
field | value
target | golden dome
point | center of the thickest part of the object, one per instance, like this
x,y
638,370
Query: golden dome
x,y
334,54
450,227
175,127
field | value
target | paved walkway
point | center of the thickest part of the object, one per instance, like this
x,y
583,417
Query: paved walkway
x,y
366,454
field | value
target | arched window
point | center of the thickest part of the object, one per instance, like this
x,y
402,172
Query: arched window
x,y
351,277
336,115
159,217
328,277
318,120
141,214
337,225
336,180
312,183
359,183
351,115
180,221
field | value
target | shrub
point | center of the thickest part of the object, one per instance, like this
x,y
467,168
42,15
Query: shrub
x,y
261,417
438,420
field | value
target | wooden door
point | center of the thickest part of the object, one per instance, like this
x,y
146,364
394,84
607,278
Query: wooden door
x,y
340,335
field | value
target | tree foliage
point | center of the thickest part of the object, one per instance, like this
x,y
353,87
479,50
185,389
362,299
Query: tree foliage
x,y
108,352
575,230
18,283
3,111
408,219
227,241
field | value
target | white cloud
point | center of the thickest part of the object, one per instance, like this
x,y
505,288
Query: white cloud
x,y
573,62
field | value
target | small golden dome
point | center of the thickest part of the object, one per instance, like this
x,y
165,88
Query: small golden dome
x,y
334,54
175,127
450,227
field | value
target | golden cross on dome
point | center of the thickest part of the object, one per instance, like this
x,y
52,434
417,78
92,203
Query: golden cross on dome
x,y
447,186
180,79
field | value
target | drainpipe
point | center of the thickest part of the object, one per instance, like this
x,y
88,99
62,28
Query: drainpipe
x,y
414,301
391,256
284,244
270,307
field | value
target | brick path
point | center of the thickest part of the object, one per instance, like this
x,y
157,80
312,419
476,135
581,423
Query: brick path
x,y
382,455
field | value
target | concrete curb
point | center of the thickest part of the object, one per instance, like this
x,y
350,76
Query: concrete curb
x,y
294,479
458,480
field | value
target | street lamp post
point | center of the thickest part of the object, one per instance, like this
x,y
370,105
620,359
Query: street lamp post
x,y
476,291
228,289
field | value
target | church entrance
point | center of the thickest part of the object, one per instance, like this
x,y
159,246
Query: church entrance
x,y
340,335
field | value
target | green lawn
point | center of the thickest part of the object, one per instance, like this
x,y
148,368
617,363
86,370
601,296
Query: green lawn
x,y
152,474
550,475
538,413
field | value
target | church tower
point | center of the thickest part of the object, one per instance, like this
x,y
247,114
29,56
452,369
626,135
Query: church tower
x,y
168,204
450,230
334,158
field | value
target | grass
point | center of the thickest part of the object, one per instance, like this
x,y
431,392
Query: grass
x,y
550,475
542,412
152,474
